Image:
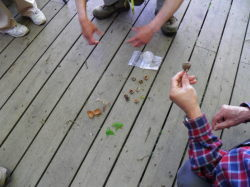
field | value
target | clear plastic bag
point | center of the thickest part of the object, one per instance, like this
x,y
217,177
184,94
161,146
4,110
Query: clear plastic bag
x,y
145,60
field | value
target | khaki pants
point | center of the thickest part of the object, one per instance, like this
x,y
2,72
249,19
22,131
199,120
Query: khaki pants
x,y
6,19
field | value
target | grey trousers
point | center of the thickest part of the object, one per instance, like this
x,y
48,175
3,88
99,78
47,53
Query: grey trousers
x,y
159,3
186,177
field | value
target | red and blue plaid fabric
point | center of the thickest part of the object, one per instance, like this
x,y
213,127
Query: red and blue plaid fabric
x,y
219,167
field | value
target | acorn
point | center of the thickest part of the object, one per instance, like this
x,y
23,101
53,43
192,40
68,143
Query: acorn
x,y
126,97
186,66
90,114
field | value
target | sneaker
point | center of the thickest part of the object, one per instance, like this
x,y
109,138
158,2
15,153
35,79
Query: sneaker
x,y
106,11
36,15
17,31
4,176
170,27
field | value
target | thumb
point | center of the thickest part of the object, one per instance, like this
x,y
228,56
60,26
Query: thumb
x,y
185,80
223,125
99,32
135,29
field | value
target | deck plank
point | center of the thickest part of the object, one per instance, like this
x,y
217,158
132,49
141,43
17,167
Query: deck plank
x,y
128,168
55,77
40,74
240,95
28,59
5,40
222,58
57,125
113,79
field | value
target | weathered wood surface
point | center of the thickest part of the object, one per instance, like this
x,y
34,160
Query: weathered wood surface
x,y
212,102
238,134
58,123
51,78
6,40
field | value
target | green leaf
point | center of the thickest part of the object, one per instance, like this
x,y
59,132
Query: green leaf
x,y
117,125
109,132
142,97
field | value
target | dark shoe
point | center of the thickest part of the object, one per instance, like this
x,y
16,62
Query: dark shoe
x,y
138,2
170,27
106,11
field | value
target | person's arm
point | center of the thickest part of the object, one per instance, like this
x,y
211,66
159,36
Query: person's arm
x,y
145,33
88,28
168,9
204,148
229,116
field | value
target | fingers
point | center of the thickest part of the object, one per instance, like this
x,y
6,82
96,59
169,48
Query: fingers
x,y
135,42
92,41
185,80
99,32
90,38
176,79
133,39
223,125
218,118
136,29
193,82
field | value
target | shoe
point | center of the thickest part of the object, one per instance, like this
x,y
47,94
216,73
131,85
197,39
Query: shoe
x,y
4,176
106,11
17,31
170,27
36,15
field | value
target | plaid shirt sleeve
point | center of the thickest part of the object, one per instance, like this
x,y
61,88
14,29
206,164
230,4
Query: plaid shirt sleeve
x,y
204,147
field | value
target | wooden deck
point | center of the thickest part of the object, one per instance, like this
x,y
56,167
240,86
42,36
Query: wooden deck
x,y
51,78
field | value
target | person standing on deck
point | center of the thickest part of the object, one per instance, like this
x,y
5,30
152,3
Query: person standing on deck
x,y
208,164
163,20
27,8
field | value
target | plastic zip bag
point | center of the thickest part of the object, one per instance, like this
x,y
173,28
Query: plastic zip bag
x,y
145,60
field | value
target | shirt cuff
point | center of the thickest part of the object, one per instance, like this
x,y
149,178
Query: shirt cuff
x,y
197,127
246,104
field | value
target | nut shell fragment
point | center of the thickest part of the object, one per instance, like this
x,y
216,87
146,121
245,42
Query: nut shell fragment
x,y
186,66
133,79
90,114
131,91
136,101
126,97
97,112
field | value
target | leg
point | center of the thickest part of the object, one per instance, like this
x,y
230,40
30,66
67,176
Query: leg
x,y
29,9
6,21
159,4
186,177
170,27
110,7
109,2
23,5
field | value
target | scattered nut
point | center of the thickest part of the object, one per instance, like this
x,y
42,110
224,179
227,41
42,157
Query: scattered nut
x,y
136,101
140,81
90,114
97,112
126,97
146,77
186,66
133,79
131,91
